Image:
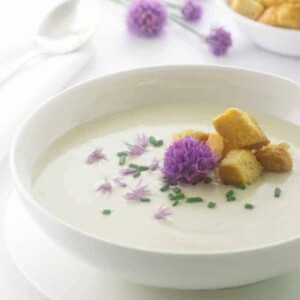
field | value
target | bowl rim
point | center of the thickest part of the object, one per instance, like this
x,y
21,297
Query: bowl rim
x,y
21,189
242,18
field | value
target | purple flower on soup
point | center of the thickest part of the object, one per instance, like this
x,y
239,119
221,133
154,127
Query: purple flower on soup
x,y
146,18
138,192
188,161
120,181
95,156
218,41
105,187
162,212
135,150
127,171
192,11
142,140
154,165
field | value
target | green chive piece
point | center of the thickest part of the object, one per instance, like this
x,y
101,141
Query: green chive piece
x,y
171,196
159,143
229,193
106,211
208,180
231,198
152,141
179,197
145,199
249,206
122,160
194,200
137,174
133,166
175,203
211,205
143,168
122,153
240,186
277,192
176,190
164,187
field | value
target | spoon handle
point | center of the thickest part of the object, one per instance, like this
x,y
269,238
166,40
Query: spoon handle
x,y
16,66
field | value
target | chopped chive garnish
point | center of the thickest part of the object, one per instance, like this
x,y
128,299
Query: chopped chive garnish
x,y
159,143
152,141
231,198
137,174
143,168
229,193
134,166
249,206
176,190
179,197
175,203
277,192
106,211
122,160
240,186
122,153
145,199
171,196
164,187
194,200
211,205
207,180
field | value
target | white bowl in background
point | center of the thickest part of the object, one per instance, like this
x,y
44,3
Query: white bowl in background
x,y
275,39
182,270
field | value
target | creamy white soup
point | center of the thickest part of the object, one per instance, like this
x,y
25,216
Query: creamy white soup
x,y
66,186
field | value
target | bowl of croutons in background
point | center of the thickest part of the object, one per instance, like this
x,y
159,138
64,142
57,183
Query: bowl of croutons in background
x,y
271,24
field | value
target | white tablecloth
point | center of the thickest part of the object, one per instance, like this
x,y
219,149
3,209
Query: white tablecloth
x,y
115,50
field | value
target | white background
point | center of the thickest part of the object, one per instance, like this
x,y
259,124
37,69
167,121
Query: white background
x,y
113,50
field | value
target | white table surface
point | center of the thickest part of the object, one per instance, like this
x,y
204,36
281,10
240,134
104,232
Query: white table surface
x,y
115,50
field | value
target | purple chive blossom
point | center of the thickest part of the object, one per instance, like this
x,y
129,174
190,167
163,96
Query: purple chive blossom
x,y
105,187
138,192
162,212
141,140
188,161
147,18
191,11
127,171
218,41
135,150
120,181
95,156
154,165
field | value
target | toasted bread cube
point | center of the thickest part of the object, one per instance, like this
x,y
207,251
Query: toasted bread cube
x,y
240,129
240,166
248,8
216,143
196,134
277,2
227,148
275,158
286,15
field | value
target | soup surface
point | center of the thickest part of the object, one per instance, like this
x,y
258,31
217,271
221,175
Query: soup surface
x,y
66,186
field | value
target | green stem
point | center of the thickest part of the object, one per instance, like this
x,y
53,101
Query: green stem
x,y
180,22
172,5
120,2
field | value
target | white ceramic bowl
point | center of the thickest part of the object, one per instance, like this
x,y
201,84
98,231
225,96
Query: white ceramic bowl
x,y
275,39
249,90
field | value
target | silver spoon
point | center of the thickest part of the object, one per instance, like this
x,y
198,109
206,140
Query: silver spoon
x,y
65,29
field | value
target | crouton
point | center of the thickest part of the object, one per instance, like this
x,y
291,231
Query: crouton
x,y
240,129
240,166
216,143
275,158
196,134
248,8
277,2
